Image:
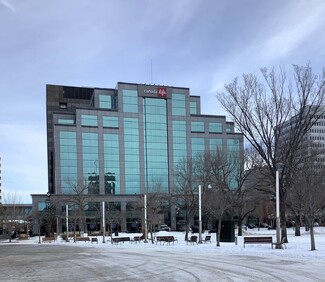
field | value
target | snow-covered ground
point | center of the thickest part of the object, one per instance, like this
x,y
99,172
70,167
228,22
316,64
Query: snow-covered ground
x,y
298,246
179,261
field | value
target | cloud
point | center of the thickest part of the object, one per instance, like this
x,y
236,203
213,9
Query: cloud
x,y
295,29
8,5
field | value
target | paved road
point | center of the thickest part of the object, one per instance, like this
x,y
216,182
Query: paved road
x,y
48,262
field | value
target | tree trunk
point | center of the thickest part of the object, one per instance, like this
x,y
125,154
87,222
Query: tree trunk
x,y
312,238
218,233
240,226
297,225
283,218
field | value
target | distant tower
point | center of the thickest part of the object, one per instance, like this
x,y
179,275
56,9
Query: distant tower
x,y
0,184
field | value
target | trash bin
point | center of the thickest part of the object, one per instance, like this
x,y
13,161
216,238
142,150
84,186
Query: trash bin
x,y
227,231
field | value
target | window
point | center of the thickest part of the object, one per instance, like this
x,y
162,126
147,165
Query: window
x,y
193,108
178,104
105,101
197,146
215,127
110,122
65,121
132,159
130,101
88,120
197,126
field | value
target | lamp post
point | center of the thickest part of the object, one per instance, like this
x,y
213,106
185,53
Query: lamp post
x,y
277,201
103,222
200,216
145,220
67,221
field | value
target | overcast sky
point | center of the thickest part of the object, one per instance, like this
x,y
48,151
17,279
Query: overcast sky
x,y
197,44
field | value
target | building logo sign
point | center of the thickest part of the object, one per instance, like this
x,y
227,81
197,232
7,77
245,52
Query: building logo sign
x,y
154,91
162,92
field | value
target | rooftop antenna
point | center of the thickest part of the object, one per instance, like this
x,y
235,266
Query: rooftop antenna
x,y
151,71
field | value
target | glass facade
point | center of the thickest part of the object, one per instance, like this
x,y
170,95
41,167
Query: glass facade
x,y
105,101
193,108
179,141
197,126
215,144
132,156
155,136
68,161
197,146
178,104
112,163
90,162
110,122
130,101
88,120
215,127
65,121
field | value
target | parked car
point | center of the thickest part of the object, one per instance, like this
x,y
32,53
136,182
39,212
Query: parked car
x,y
263,225
163,227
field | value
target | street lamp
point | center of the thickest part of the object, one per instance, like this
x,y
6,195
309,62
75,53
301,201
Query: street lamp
x,y
200,212
200,216
145,220
104,225
277,201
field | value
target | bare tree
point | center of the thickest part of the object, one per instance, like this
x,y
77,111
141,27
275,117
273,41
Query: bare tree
x,y
220,170
10,214
274,117
307,193
157,204
187,190
78,202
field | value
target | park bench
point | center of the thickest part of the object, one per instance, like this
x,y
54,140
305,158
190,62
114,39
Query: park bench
x,y
117,240
94,240
48,239
81,239
137,239
192,240
207,239
258,240
165,239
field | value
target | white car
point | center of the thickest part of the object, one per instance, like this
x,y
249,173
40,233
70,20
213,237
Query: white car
x,y
163,227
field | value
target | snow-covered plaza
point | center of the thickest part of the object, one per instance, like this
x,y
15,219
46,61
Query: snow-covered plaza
x,y
85,261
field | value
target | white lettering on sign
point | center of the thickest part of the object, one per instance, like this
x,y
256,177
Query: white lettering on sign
x,y
150,91
162,92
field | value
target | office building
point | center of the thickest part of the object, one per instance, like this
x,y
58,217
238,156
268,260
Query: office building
x,y
119,143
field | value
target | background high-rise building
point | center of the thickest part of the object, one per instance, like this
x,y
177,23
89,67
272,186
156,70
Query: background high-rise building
x,y
121,143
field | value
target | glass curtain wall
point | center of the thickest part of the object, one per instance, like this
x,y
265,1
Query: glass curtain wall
x,y
68,159
156,154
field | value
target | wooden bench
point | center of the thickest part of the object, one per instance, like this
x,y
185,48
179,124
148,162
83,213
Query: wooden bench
x,y
137,239
207,239
82,239
165,239
258,240
117,240
192,240
48,239
94,240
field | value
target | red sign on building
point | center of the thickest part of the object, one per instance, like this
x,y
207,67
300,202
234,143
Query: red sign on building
x,y
162,92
